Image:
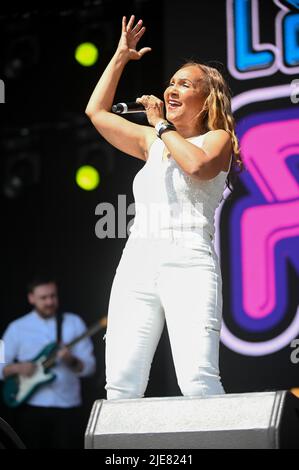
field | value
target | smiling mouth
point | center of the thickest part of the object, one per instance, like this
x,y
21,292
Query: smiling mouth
x,y
174,105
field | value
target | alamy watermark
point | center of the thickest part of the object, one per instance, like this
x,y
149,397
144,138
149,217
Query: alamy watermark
x,y
2,91
295,91
150,218
295,352
2,355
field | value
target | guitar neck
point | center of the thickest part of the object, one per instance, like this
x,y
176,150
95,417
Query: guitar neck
x,y
90,332
99,325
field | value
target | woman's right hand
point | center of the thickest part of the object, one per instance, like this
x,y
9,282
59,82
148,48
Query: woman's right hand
x,y
129,39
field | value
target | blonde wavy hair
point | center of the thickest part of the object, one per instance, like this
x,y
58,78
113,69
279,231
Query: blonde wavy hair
x,y
216,113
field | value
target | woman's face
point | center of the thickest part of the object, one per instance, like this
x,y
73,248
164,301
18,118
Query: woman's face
x,y
184,97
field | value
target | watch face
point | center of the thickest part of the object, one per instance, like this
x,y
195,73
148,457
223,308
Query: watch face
x,y
161,124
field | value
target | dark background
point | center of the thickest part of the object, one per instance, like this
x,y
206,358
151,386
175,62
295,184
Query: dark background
x,y
50,226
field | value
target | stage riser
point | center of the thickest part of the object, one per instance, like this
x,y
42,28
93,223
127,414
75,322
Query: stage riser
x,y
267,420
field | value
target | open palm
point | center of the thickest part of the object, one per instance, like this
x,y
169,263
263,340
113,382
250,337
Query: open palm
x,y
130,37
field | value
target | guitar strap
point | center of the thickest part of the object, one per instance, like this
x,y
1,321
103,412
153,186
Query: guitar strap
x,y
59,318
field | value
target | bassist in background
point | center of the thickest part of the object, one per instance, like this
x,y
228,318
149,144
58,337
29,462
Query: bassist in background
x,y
51,417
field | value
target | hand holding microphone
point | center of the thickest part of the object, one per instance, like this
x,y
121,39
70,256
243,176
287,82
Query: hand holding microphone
x,y
150,104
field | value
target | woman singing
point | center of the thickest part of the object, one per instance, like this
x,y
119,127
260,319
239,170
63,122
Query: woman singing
x,y
169,269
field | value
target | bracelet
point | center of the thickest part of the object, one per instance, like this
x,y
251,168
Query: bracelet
x,y
163,126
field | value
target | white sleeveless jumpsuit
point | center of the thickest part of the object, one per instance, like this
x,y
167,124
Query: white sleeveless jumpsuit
x,y
169,271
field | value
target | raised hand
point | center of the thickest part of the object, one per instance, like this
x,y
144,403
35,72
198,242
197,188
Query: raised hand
x,y
130,37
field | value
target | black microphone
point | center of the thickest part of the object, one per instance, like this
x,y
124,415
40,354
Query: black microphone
x,y
125,108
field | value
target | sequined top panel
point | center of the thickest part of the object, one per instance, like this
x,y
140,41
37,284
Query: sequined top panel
x,y
167,198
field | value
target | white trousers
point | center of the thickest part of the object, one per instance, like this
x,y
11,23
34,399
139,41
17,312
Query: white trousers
x,y
176,279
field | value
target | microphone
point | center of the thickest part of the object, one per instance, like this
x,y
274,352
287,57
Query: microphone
x,y
125,108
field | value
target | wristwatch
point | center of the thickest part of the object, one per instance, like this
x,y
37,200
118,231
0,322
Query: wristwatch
x,y
163,126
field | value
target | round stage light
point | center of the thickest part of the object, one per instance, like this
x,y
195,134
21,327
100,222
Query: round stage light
x,y
87,177
86,54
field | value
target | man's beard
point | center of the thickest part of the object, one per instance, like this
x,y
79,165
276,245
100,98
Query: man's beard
x,y
48,312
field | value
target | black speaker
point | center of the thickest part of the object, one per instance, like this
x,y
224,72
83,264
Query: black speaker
x,y
267,420
8,437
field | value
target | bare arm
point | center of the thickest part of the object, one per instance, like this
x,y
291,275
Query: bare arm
x,y
205,162
126,136
22,368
